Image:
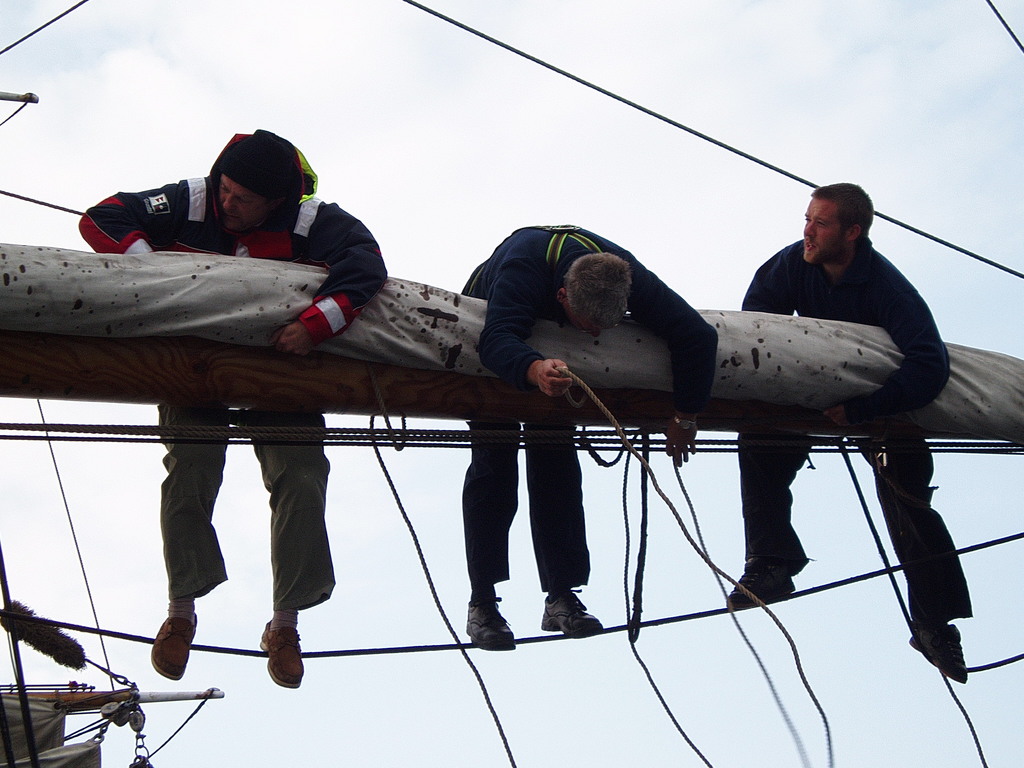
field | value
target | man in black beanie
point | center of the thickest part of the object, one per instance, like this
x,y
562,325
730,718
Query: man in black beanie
x,y
256,202
263,163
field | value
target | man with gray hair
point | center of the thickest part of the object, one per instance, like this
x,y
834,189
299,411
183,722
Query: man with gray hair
x,y
573,276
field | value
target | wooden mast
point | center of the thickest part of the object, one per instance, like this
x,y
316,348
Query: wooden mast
x,y
192,371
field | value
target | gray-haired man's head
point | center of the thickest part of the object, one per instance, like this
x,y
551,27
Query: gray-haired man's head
x,y
596,291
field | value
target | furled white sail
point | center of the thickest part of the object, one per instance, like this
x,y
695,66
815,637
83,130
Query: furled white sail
x,y
770,358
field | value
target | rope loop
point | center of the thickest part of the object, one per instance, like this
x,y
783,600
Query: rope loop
x,y
584,441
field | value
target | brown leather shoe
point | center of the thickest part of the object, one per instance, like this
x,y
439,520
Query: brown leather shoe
x,y
285,662
171,647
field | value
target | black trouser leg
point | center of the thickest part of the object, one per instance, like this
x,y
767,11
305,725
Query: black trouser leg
x,y
937,588
557,523
766,473
490,498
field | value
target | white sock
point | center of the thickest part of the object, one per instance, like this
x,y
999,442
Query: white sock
x,y
182,608
284,619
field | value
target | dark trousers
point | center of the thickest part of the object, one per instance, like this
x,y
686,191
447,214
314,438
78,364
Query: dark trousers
x,y
490,498
937,588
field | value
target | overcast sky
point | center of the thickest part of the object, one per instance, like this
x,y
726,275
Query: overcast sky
x,y
442,144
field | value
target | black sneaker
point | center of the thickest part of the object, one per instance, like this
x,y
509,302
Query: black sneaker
x,y
566,614
767,578
487,628
941,646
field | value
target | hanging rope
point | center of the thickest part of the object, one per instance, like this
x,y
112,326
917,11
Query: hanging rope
x,y
379,395
641,549
762,667
585,444
707,560
633,613
433,591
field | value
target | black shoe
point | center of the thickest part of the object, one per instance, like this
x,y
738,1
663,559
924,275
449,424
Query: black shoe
x,y
566,614
941,646
487,628
767,578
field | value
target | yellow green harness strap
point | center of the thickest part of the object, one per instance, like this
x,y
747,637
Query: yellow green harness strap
x,y
554,252
558,240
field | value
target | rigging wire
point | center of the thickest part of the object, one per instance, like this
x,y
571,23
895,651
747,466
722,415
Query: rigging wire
x,y
44,26
1006,26
630,628
74,535
19,676
622,100
634,105
435,438
39,202
180,727
899,597
392,650
698,134
589,441
11,116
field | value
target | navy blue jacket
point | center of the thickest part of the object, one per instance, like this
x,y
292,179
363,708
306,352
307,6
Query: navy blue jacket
x,y
871,292
520,288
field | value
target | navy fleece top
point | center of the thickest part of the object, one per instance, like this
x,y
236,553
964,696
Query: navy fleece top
x,y
871,292
520,288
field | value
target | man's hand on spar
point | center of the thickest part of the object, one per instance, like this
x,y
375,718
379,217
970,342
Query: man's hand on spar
x,y
293,338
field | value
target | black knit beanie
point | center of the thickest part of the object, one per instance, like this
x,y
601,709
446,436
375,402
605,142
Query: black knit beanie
x,y
263,163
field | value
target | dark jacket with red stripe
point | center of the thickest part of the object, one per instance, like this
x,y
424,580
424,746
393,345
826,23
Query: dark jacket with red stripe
x,y
186,217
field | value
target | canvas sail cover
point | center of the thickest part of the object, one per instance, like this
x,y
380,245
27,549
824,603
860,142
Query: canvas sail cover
x,y
83,755
771,358
48,732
